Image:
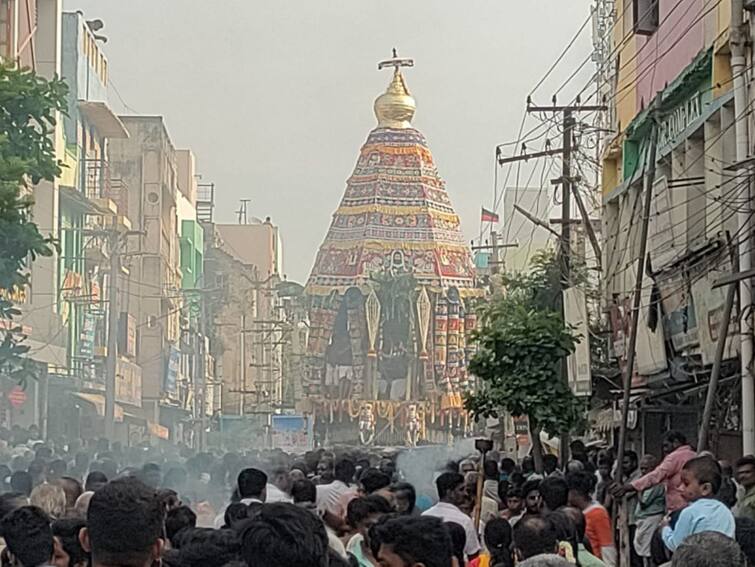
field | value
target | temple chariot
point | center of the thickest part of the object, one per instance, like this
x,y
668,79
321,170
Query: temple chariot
x,y
391,295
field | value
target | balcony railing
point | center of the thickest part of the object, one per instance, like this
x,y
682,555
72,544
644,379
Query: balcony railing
x,y
95,178
96,183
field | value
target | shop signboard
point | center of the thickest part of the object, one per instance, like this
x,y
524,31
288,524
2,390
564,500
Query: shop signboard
x,y
171,370
128,383
665,239
650,346
522,430
86,344
159,431
677,120
679,317
127,334
709,305
291,433
578,363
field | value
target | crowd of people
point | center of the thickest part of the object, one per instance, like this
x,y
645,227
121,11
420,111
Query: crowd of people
x,y
70,504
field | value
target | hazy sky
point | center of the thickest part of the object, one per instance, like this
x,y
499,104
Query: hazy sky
x,y
275,97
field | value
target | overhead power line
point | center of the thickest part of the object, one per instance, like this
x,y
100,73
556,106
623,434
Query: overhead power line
x,y
563,53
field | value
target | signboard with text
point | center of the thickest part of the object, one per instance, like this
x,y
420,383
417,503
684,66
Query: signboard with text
x,y
578,363
291,433
680,118
128,383
171,370
709,307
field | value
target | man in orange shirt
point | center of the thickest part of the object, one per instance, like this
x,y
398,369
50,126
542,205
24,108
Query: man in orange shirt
x,y
597,521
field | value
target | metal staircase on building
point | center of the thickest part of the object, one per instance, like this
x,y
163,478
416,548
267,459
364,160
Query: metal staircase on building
x,y
205,202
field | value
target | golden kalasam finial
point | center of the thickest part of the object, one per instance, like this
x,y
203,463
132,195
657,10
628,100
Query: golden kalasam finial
x,y
395,107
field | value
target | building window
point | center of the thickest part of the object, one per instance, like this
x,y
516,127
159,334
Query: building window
x,y
221,281
645,15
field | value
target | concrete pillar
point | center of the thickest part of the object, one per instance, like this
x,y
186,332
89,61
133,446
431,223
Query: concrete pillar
x,y
48,37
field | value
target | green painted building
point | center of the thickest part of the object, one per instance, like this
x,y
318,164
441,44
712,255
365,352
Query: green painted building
x,y
192,263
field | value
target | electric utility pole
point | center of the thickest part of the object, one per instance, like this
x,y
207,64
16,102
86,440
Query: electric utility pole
x,y
495,247
567,186
567,180
623,557
202,373
738,44
115,239
111,366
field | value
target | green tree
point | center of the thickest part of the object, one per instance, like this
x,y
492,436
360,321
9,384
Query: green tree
x,y
541,284
522,342
28,107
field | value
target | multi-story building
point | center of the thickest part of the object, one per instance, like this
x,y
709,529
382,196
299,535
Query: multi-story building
x,y
30,35
256,244
259,244
65,310
147,162
672,66
29,31
248,323
196,367
90,213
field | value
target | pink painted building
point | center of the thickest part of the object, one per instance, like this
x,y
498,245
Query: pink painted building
x,y
662,56
674,53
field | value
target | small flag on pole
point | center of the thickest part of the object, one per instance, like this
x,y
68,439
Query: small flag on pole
x,y
488,216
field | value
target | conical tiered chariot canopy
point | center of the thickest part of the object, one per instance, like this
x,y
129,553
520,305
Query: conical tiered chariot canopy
x,y
395,215
390,297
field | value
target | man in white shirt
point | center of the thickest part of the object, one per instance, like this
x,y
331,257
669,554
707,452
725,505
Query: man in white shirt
x,y
451,492
279,486
334,497
252,487
304,495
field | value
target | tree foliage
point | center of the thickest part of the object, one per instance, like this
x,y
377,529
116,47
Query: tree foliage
x,y
28,108
522,342
540,286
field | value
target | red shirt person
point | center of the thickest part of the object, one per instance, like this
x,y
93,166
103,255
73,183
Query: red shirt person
x,y
668,473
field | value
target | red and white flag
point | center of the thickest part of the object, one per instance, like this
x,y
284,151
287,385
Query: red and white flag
x,y
488,216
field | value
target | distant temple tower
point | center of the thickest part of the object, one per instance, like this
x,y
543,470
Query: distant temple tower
x,y
391,289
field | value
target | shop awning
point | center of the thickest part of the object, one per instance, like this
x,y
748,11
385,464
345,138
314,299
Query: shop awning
x,y
606,419
76,198
135,417
98,401
174,413
688,389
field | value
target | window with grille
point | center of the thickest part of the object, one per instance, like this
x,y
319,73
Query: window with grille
x,y
646,15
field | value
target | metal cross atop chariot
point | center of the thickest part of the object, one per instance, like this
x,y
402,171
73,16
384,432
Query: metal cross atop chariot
x,y
396,62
